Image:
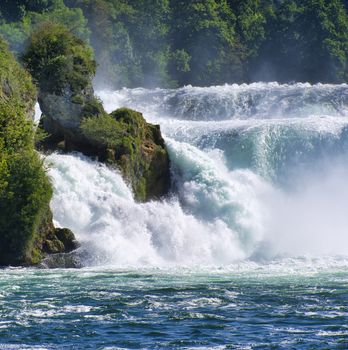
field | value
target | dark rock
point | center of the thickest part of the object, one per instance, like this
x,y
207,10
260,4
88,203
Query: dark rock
x,y
67,238
55,240
62,260
53,246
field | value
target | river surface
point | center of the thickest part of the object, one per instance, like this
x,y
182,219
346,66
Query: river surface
x,y
250,250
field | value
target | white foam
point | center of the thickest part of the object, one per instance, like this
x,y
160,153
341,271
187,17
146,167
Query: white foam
x,y
121,232
257,100
222,214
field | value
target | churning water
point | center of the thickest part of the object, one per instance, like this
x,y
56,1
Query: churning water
x,y
259,172
250,251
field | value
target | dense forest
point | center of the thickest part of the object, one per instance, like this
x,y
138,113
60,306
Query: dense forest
x,y
170,43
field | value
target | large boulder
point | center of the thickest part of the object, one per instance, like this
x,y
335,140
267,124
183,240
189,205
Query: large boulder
x,y
62,261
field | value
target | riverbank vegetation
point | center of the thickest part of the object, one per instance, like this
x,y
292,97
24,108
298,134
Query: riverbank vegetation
x,y
25,190
170,43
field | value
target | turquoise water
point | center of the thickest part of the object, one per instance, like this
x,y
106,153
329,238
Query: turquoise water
x,y
250,306
250,250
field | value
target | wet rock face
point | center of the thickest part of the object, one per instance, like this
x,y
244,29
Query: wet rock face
x,y
59,113
63,112
55,240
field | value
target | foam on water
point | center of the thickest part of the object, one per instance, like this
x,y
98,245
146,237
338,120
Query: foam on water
x,y
258,174
95,203
180,309
257,100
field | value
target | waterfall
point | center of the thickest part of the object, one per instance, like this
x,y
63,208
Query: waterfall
x,y
259,172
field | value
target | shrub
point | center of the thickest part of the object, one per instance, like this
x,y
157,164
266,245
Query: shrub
x,y
58,60
15,83
25,190
103,130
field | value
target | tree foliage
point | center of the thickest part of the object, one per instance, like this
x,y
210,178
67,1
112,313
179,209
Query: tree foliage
x,y
174,42
25,190
58,60
19,18
205,31
306,41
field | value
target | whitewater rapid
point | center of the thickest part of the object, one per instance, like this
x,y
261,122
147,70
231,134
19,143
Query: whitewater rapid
x,y
259,173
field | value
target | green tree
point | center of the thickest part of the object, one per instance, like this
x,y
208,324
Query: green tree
x,y
15,10
252,18
110,39
306,41
58,60
25,190
205,30
148,29
33,14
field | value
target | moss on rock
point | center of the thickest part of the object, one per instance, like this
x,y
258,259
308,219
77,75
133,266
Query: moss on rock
x,y
67,238
135,146
53,240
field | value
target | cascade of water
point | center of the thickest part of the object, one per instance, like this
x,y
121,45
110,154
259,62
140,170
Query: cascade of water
x,y
258,170
254,101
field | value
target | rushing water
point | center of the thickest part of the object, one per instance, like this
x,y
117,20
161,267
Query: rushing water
x,y
245,307
249,252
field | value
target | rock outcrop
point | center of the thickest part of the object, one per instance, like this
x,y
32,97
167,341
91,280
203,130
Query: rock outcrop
x,y
54,240
62,261
76,120
122,139
125,139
